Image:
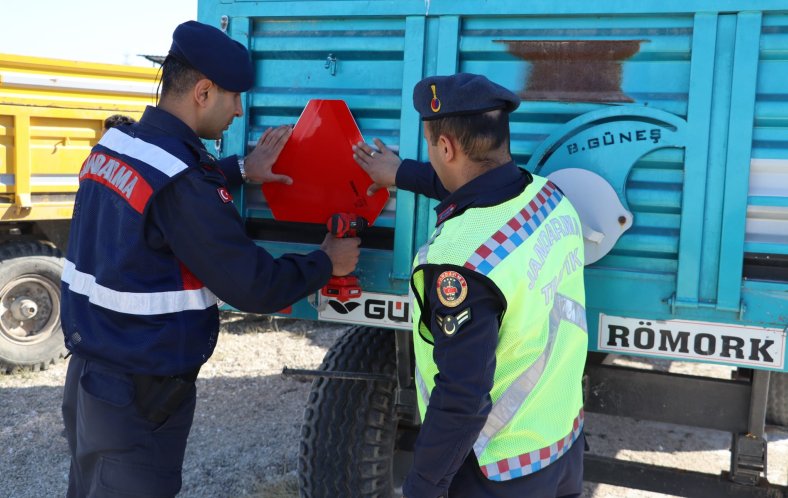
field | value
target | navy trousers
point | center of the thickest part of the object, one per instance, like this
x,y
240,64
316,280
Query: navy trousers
x,y
115,451
561,479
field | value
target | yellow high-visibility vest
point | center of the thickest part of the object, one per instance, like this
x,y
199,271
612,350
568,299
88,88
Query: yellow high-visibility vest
x,y
531,247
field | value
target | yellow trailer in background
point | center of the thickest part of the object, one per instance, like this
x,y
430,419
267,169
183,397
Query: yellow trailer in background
x,y
51,114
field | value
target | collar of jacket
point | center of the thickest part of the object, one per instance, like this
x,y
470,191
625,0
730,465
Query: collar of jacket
x,y
168,124
488,189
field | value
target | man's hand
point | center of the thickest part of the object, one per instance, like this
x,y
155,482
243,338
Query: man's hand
x,y
259,162
381,165
343,253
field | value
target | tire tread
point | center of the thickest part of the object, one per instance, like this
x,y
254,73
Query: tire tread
x,y
349,426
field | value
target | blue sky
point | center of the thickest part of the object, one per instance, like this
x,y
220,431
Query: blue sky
x,y
111,31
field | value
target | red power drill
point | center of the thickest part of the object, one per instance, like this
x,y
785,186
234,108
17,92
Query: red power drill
x,y
344,225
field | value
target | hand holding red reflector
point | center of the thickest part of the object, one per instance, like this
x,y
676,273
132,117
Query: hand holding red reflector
x,y
328,185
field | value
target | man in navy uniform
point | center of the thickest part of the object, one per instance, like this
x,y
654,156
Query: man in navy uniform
x,y
499,319
155,242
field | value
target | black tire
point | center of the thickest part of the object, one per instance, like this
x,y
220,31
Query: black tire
x,y
350,432
777,405
30,333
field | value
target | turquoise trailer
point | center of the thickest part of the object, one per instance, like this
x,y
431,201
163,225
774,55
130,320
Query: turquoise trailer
x,y
666,124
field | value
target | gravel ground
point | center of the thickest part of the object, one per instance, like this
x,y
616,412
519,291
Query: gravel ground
x,y
244,441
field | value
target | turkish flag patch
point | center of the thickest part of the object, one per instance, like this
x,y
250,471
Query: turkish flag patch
x,y
224,195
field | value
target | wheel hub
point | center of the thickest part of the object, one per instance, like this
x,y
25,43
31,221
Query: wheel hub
x,y
29,308
24,309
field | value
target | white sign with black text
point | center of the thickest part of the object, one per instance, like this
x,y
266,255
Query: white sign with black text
x,y
738,345
385,310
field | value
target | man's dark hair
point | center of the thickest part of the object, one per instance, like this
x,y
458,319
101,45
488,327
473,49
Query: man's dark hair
x,y
118,120
177,77
482,137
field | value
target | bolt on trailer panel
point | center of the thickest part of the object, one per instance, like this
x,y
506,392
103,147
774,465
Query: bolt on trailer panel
x,y
664,122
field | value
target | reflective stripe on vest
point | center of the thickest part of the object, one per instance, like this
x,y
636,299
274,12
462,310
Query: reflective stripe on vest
x,y
425,249
504,410
135,303
146,152
421,386
515,231
528,463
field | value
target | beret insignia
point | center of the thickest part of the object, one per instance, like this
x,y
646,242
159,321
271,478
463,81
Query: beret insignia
x,y
435,103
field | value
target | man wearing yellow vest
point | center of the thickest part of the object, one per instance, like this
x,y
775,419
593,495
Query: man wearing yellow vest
x,y
499,320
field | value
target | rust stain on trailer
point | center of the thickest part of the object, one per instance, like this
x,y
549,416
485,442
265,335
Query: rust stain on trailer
x,y
574,70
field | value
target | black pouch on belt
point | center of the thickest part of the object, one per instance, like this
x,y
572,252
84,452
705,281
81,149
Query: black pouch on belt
x,y
157,397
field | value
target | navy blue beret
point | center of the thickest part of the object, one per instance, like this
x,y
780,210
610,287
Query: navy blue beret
x,y
220,58
463,93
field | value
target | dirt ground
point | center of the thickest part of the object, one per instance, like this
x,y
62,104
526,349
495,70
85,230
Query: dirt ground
x,y
244,441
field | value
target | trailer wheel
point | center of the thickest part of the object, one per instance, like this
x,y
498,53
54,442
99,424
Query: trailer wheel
x,y
777,404
350,434
30,332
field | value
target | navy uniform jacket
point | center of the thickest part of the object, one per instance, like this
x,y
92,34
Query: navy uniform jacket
x,y
460,402
121,256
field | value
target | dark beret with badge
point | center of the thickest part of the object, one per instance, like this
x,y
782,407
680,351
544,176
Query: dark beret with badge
x,y
210,51
461,94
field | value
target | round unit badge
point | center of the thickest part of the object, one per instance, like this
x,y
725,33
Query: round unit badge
x,y
452,288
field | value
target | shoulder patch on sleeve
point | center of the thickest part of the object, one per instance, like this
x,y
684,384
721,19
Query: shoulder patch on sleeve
x,y
450,324
224,195
452,288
